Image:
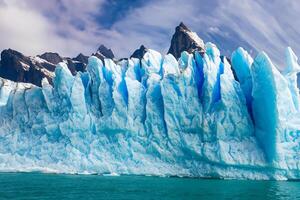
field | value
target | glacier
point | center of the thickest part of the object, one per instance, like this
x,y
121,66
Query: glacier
x,y
158,116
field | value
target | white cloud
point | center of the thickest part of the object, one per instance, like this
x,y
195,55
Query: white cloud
x,y
34,26
29,30
255,24
22,29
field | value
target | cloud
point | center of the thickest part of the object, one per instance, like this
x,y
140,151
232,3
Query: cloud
x,y
23,29
255,24
73,26
46,27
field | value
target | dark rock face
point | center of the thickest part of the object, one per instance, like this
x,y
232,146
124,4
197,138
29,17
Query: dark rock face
x,y
139,53
17,67
74,64
71,66
81,58
185,40
99,55
106,52
53,58
80,62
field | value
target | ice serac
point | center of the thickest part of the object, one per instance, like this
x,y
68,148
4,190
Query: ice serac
x,y
157,115
290,73
298,80
212,68
241,63
275,113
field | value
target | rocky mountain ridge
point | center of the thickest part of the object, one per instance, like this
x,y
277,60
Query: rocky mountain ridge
x,y
17,67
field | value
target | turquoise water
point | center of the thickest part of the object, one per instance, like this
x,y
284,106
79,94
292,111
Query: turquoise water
x,y
53,186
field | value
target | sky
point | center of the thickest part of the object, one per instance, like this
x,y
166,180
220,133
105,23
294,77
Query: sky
x,y
73,26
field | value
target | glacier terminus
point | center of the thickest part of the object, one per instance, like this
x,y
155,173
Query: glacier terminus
x,y
198,115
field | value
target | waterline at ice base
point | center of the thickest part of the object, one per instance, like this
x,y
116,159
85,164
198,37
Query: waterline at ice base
x,y
201,115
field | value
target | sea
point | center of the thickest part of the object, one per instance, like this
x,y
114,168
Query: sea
x,y
42,186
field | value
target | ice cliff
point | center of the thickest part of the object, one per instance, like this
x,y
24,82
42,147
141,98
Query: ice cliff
x,y
158,116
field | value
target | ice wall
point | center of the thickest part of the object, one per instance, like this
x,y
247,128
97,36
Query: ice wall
x,y
158,116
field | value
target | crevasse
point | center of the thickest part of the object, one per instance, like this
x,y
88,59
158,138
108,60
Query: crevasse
x,y
158,116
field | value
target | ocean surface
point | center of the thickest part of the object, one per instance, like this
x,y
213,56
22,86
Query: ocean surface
x,y
57,186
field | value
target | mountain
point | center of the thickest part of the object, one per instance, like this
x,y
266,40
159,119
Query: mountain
x,y
44,65
104,52
53,58
139,53
185,40
17,67
74,64
80,62
160,115
81,58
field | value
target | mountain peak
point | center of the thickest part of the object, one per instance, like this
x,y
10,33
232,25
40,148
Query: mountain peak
x,y
106,52
81,58
139,53
51,57
182,26
185,40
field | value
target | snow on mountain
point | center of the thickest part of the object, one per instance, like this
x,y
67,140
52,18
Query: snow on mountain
x,y
185,40
32,69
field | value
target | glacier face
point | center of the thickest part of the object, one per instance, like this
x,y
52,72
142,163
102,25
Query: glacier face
x,y
158,116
